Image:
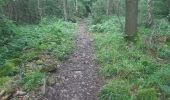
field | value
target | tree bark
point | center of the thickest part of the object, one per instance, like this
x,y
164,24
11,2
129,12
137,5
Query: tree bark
x,y
75,7
108,7
131,19
65,9
117,12
169,10
149,17
39,10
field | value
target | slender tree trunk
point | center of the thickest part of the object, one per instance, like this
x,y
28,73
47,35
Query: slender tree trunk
x,y
131,19
108,7
149,17
169,10
75,7
65,9
117,12
39,10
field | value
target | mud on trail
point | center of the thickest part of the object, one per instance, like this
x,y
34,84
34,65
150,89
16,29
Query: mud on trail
x,y
77,77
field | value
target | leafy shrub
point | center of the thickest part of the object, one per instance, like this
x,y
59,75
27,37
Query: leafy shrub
x,y
97,28
143,64
54,37
107,71
28,56
32,39
115,90
7,30
147,94
31,80
161,79
61,44
107,26
143,30
3,80
9,68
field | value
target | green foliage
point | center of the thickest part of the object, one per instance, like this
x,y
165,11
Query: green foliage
x,y
106,26
107,71
59,39
9,68
162,27
99,10
147,94
3,80
51,35
143,30
161,7
52,8
7,30
161,78
97,28
115,90
108,54
32,80
2,2
28,56
104,9
135,63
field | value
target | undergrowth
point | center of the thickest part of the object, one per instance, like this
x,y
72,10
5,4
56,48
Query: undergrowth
x,y
51,35
135,71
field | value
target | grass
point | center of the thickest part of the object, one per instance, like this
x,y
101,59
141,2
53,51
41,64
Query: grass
x,y
115,90
134,71
51,35
31,80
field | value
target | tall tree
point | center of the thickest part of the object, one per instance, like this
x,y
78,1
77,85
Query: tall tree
x,y
107,7
149,15
117,12
131,18
75,6
39,9
65,9
169,10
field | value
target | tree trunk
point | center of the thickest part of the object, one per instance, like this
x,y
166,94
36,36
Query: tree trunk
x,y
65,9
39,10
169,10
149,16
131,19
75,7
116,7
108,7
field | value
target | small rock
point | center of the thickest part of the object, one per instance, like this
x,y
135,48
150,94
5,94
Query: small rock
x,y
91,40
20,93
2,93
51,81
26,97
83,83
43,89
49,68
39,62
5,97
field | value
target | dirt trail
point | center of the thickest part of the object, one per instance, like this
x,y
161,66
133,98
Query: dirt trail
x,y
77,78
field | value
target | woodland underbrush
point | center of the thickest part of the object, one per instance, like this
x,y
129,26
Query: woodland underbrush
x,y
133,71
32,52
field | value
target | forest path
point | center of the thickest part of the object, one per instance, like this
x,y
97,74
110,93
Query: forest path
x,y
77,76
